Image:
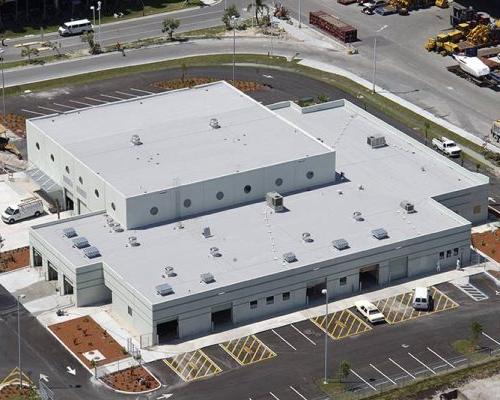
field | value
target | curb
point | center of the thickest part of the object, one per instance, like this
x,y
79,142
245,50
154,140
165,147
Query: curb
x,y
137,393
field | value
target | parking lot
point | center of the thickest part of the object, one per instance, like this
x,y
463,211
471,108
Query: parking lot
x,y
341,324
248,350
193,365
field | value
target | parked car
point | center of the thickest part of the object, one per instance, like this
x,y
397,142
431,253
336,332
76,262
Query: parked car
x,y
422,299
31,207
369,311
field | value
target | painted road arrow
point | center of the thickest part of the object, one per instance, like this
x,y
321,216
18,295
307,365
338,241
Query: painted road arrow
x,y
44,378
71,371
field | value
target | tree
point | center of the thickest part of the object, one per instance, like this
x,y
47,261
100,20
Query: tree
x,y
169,26
230,12
475,330
322,98
259,7
93,364
94,47
345,369
28,52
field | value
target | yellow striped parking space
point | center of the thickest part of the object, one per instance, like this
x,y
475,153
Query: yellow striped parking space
x,y
193,365
247,350
341,324
399,308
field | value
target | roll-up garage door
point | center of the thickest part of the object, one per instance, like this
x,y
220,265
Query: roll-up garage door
x,y
398,268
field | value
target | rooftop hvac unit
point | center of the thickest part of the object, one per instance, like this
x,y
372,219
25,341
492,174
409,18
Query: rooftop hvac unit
x,y
164,289
306,237
275,201
170,272
91,252
206,232
376,141
214,252
69,232
207,277
214,123
380,233
132,241
340,244
357,216
80,242
407,206
289,257
135,140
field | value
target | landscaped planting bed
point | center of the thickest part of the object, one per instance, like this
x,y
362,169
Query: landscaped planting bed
x,y
488,243
14,259
83,334
244,86
16,123
134,379
12,392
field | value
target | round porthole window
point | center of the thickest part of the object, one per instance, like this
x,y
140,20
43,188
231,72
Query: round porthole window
x,y
187,203
153,210
310,175
80,179
52,157
219,195
96,192
113,206
278,182
37,145
67,169
247,189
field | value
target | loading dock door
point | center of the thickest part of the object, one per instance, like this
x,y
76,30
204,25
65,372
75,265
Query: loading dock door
x,y
368,276
398,268
167,331
51,272
68,286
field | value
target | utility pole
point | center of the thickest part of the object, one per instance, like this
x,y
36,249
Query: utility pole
x,y
234,20
93,15
325,293
375,55
300,11
3,87
99,11
21,296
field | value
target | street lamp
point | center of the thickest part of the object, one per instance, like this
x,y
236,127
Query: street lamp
x,y
234,20
19,297
99,11
325,293
3,86
300,11
375,55
93,13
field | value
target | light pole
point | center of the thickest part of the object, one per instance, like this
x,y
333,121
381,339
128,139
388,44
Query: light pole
x,y
93,13
300,11
234,20
3,87
99,11
19,297
375,55
325,293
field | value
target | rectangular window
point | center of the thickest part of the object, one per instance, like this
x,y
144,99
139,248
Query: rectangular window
x,y
253,304
270,300
129,310
343,281
455,251
476,210
441,255
448,253
286,296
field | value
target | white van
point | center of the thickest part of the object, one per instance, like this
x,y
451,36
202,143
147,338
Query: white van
x,y
31,207
75,27
422,299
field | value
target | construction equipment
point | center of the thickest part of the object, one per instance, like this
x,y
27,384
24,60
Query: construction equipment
x,y
495,131
460,14
431,44
455,35
442,3
10,147
479,35
449,48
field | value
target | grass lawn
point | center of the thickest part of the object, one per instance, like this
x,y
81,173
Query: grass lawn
x,y
332,387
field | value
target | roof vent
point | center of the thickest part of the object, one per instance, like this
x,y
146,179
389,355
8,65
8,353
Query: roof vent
x,y
135,140
306,237
207,277
380,233
170,272
340,244
91,252
214,123
214,252
357,216
117,228
69,232
289,257
164,289
132,241
407,206
206,232
275,201
80,242
376,141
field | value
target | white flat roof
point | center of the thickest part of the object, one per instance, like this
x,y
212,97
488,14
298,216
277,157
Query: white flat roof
x,y
252,239
179,147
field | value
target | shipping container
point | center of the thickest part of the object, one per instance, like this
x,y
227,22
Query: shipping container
x,y
333,26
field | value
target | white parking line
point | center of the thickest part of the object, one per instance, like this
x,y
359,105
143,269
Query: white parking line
x,y
272,394
81,103
437,355
489,337
49,109
417,360
141,91
298,393
32,112
112,97
96,100
63,105
373,387
404,370
282,338
293,326
126,94
384,375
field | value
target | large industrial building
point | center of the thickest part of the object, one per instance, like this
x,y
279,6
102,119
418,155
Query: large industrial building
x,y
200,207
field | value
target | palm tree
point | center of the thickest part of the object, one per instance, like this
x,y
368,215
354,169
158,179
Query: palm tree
x,y
259,7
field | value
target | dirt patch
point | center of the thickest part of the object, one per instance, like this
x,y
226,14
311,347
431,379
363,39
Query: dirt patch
x,y
488,243
496,274
134,379
13,392
14,259
16,123
244,86
83,334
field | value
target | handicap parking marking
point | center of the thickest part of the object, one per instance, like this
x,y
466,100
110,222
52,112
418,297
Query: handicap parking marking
x,y
384,375
283,339
33,112
341,324
421,363
364,380
489,337
441,358
247,350
305,336
472,291
402,369
193,365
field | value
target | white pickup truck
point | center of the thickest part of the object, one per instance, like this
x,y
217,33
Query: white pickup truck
x,y
446,146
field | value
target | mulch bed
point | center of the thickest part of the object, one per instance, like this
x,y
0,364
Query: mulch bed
x,y
488,243
134,379
496,274
83,334
14,259
12,392
16,123
244,86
